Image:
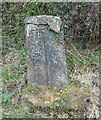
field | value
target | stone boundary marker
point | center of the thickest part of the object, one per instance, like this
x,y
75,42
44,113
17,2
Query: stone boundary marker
x,y
45,51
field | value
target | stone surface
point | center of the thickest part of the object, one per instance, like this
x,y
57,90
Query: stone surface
x,y
45,51
53,21
45,97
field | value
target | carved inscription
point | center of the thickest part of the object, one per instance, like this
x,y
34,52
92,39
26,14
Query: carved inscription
x,y
37,57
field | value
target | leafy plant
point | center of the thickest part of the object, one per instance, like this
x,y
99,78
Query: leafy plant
x,y
62,103
8,74
21,52
6,97
19,112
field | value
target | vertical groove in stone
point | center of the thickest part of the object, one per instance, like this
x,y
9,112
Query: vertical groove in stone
x,y
46,65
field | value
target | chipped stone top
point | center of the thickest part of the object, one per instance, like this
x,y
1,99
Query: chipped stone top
x,y
53,21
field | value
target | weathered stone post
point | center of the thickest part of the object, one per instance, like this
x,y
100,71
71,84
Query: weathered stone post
x,y
45,51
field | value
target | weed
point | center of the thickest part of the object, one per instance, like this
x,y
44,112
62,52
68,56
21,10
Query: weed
x,y
6,97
